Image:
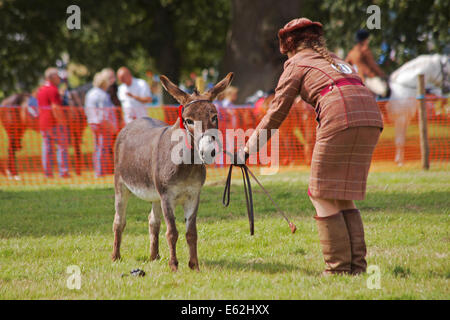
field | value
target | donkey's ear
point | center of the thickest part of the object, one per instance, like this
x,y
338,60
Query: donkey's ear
x,y
178,94
218,88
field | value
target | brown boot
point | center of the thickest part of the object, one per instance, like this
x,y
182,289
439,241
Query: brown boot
x,y
355,229
335,243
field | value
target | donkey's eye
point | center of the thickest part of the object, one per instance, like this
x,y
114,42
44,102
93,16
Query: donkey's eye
x,y
190,122
214,118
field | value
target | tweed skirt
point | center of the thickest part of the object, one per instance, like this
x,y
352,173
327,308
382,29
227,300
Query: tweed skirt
x,y
340,163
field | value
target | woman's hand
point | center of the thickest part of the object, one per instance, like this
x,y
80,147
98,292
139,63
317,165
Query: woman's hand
x,y
240,157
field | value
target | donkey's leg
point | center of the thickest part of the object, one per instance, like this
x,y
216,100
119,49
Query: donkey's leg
x,y
121,199
168,209
190,215
154,223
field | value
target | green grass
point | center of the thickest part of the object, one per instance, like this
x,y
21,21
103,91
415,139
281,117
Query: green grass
x,y
406,216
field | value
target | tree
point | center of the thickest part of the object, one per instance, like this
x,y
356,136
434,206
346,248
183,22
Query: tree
x,y
29,42
409,27
176,37
172,37
252,49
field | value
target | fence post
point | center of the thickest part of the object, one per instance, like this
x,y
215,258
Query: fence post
x,y
423,126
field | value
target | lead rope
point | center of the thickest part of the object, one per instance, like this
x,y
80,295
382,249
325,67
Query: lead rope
x,y
249,197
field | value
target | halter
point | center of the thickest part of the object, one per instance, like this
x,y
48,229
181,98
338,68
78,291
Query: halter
x,y
182,121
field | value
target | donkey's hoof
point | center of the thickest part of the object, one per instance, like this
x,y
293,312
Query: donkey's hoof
x,y
173,266
115,256
194,266
154,257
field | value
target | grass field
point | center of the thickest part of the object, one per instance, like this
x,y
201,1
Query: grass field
x,y
406,215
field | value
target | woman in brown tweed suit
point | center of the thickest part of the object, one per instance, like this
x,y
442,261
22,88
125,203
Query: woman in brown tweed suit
x,y
349,125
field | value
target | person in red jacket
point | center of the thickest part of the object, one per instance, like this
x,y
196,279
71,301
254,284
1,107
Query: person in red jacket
x,y
350,124
53,126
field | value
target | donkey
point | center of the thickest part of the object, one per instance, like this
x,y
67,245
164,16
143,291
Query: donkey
x,y
143,167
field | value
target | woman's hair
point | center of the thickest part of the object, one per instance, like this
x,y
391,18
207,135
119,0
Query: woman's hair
x,y
308,37
230,91
101,80
361,35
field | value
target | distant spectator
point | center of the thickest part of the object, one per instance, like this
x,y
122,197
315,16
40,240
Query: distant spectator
x,y
134,95
102,119
11,110
188,86
363,61
52,124
230,96
112,86
113,90
156,93
262,104
33,108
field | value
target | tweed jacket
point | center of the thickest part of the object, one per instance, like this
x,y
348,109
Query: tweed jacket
x,y
306,74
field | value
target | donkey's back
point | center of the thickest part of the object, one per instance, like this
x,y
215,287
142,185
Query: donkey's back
x,y
136,153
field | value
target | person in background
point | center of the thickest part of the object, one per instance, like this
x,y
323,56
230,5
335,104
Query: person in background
x,y
12,109
53,125
155,88
134,95
103,122
262,104
112,91
188,86
228,98
363,61
112,86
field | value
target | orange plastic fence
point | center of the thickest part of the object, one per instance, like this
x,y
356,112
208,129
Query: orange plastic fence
x,y
21,142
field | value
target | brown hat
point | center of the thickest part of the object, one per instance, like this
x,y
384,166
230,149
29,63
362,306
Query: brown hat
x,y
294,25
297,24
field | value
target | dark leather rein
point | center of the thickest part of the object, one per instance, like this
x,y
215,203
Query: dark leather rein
x,y
247,191
249,197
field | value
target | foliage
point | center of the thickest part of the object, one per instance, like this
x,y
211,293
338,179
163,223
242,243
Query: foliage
x,y
407,26
140,33
176,37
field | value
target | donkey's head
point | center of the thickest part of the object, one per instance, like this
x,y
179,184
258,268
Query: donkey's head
x,y
199,109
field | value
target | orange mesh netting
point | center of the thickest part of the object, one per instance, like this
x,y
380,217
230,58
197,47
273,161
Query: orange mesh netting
x,y
21,142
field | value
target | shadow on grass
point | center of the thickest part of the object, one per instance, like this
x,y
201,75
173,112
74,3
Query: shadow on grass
x,y
91,211
258,266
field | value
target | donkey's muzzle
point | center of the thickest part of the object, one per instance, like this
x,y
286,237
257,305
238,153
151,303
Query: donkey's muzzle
x,y
207,149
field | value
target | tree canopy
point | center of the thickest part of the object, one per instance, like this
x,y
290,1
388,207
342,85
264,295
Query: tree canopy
x,y
176,37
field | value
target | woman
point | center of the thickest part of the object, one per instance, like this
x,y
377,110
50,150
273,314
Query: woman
x,y
103,122
112,86
349,127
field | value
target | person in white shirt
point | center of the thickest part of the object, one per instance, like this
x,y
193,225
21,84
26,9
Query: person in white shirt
x,y
134,94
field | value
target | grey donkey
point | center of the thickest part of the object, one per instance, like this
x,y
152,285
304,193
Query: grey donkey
x,y
144,167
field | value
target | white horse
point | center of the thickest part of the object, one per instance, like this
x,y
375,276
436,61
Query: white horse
x,y
402,105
